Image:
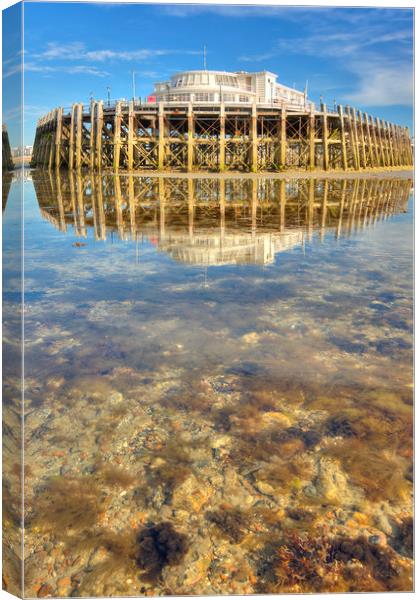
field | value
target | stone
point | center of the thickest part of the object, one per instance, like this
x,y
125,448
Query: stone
x,y
192,493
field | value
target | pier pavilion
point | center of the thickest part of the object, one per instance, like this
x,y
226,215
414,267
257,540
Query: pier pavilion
x,y
217,121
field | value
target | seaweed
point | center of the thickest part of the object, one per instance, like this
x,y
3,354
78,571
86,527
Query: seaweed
x,y
66,504
318,563
116,476
402,540
232,522
300,563
379,473
158,546
381,561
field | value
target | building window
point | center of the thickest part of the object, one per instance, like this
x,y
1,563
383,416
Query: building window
x,y
243,98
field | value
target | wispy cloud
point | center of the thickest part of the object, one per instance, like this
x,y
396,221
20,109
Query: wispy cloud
x,y
70,69
383,85
79,51
378,57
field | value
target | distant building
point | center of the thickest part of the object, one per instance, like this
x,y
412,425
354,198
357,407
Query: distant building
x,y
22,151
218,86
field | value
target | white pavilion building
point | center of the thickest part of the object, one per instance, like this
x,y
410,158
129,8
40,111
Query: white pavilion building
x,y
236,88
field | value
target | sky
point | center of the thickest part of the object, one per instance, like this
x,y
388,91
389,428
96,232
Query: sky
x,y
357,56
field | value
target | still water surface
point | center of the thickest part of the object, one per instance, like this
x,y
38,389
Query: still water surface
x,y
218,385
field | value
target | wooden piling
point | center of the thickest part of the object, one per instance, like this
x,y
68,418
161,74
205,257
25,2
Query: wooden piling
x,y
343,139
79,126
254,139
326,161
92,138
161,138
371,161
362,141
58,136
381,146
356,137
190,139
99,128
283,138
117,136
71,137
222,138
311,124
130,140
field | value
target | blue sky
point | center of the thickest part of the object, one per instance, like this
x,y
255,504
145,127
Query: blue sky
x,y
361,57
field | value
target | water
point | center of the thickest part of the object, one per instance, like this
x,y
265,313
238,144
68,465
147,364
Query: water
x,y
218,384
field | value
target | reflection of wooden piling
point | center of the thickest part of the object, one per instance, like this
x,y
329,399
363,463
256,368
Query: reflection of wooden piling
x,y
282,190
324,209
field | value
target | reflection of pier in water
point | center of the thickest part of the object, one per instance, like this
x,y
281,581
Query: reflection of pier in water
x,y
215,221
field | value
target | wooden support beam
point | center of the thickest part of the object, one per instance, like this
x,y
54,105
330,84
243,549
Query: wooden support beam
x,y
375,143
311,133
362,141
409,146
381,145
117,136
326,158
161,139
283,137
385,144
190,139
130,140
343,139
395,145
58,137
222,138
352,139
371,159
99,128
254,138
79,125
92,137
390,144
71,137
356,138
51,145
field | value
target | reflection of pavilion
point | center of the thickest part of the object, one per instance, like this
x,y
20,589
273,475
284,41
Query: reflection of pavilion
x,y
216,221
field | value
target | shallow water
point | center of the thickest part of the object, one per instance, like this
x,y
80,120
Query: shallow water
x,y
218,384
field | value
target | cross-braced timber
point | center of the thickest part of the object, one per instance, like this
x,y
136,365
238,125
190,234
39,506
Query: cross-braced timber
x,y
226,137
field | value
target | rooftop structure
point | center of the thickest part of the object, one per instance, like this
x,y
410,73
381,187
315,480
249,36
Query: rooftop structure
x,y
221,86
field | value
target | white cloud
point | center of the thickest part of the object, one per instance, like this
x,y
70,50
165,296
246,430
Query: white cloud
x,y
71,69
78,51
383,85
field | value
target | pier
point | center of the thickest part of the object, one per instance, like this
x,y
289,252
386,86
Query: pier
x,y
129,136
